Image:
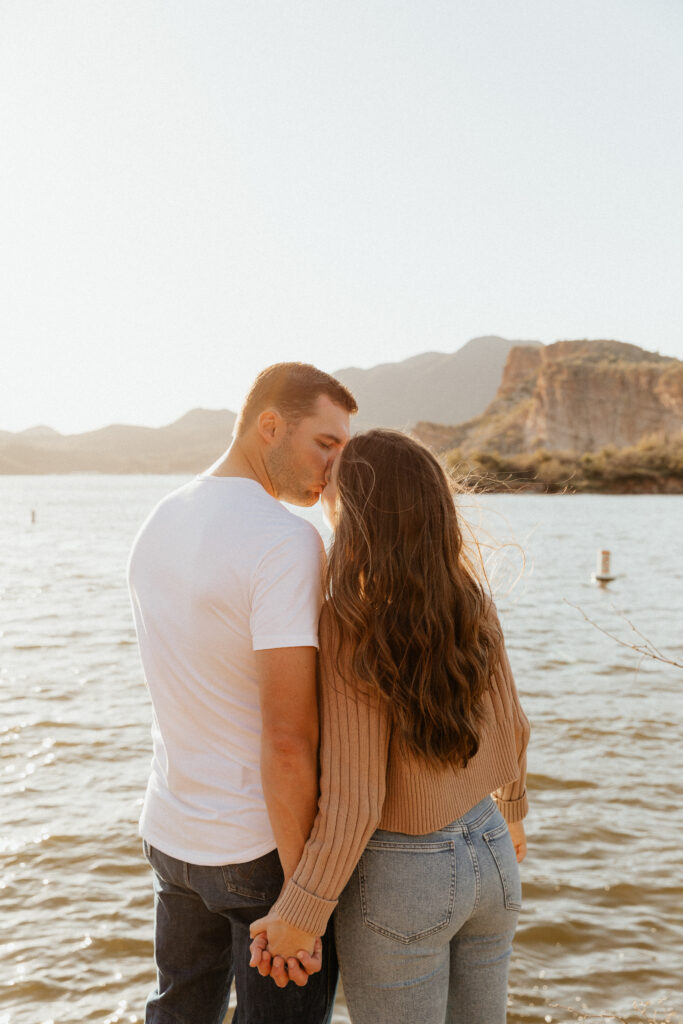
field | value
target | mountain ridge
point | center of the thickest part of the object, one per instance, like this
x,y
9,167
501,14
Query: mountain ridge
x,y
570,395
399,394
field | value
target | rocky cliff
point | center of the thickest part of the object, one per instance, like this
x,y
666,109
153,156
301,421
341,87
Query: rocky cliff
x,y
573,396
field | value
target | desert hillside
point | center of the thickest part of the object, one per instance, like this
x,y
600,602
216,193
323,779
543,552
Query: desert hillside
x,y
188,445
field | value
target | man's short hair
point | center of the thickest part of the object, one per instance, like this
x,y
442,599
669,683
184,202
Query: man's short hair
x,y
292,389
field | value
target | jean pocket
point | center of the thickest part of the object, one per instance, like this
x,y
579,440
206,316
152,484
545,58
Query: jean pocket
x,y
259,879
500,844
407,889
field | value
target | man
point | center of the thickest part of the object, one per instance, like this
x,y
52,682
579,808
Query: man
x,y
225,586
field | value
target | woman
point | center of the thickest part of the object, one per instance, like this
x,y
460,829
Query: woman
x,y
420,723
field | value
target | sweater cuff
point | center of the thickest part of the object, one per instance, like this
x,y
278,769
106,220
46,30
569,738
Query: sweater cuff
x,y
302,909
513,810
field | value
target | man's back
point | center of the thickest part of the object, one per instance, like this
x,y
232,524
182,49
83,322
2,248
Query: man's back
x,y
219,570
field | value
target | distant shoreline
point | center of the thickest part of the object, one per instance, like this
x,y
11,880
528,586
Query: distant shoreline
x,y
472,481
671,487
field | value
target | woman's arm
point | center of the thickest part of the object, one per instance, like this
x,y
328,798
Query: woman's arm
x,y
512,798
518,836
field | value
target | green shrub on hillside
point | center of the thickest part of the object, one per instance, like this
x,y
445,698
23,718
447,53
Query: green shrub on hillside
x,y
650,466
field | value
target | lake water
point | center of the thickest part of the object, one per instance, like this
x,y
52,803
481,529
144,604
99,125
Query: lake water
x,y
603,880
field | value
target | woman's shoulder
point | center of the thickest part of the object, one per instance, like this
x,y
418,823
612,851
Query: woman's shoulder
x,y
491,614
329,637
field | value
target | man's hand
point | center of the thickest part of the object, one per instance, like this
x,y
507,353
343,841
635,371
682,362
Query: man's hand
x,y
296,969
518,837
283,939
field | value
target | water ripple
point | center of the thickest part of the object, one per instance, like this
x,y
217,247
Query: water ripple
x,y
601,924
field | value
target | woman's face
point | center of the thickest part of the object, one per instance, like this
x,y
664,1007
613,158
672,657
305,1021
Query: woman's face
x,y
328,499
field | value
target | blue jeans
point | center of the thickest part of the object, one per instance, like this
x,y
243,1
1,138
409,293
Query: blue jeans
x,y
201,942
425,925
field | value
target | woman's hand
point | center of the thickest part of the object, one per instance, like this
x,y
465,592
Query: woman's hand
x,y
283,939
274,942
518,836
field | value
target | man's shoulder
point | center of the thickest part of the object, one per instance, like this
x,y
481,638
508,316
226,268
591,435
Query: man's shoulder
x,y
163,510
176,498
293,530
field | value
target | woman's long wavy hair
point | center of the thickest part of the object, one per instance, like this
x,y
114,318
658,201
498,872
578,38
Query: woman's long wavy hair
x,y
409,610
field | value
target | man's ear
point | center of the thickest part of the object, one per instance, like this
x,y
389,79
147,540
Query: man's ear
x,y
269,425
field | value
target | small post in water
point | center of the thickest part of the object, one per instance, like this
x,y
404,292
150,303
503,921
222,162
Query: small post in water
x,y
603,576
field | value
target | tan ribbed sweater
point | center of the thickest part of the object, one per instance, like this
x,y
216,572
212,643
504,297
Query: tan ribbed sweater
x,y
367,782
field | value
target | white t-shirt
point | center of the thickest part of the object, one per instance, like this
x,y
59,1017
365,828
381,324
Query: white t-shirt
x,y
219,570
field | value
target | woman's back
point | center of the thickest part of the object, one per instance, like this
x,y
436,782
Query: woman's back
x,y
422,757
409,608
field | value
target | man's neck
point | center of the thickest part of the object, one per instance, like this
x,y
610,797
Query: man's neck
x,y
241,461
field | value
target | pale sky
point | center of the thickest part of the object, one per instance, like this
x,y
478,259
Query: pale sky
x,y
191,191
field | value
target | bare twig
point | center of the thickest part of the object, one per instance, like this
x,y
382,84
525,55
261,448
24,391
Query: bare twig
x,y
656,652
646,648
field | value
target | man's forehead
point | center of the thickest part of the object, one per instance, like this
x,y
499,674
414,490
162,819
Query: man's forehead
x,y
331,419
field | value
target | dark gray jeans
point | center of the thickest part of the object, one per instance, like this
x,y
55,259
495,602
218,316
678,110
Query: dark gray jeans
x,y
202,918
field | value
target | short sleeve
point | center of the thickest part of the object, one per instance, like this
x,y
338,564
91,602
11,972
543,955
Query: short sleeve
x,y
286,593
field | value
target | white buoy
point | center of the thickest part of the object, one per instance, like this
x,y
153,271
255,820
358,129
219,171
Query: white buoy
x,y
603,575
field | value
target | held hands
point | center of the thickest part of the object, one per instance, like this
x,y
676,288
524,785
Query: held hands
x,y
290,954
284,952
518,837
283,939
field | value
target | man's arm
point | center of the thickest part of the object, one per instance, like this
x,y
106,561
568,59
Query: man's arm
x,y
289,746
